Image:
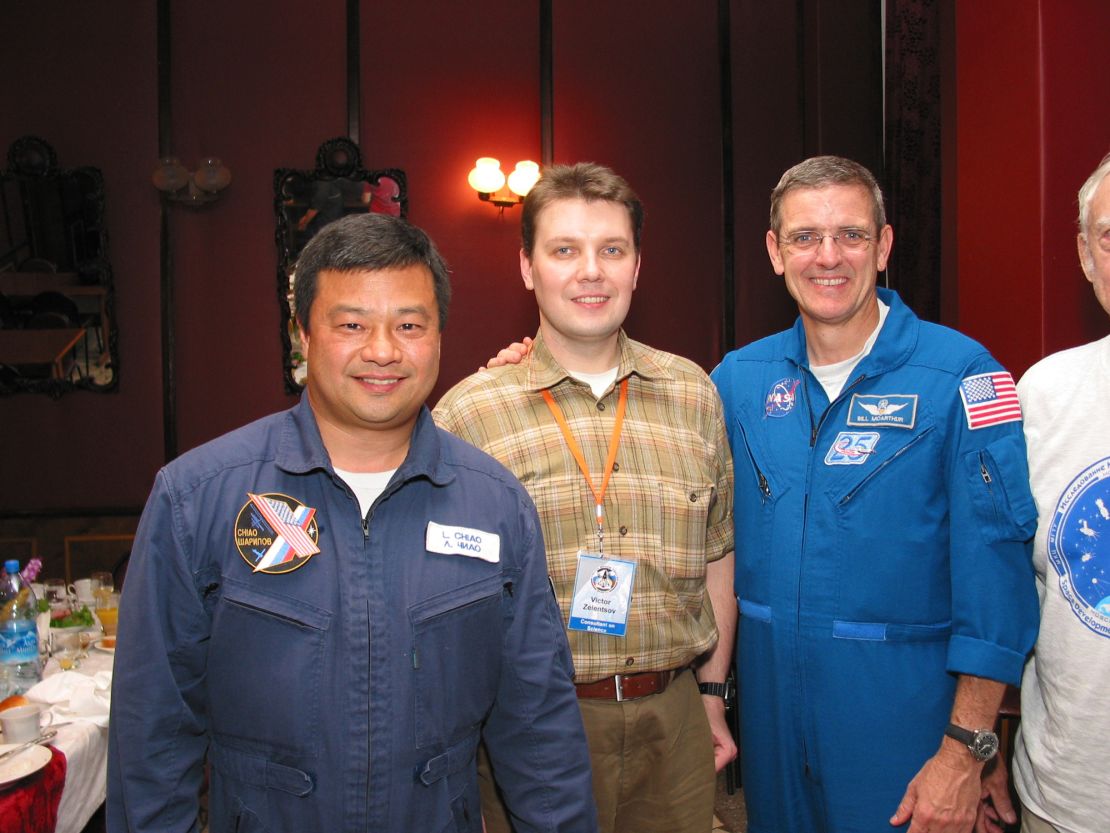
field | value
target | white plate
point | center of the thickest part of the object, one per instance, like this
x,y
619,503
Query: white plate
x,y
20,766
98,645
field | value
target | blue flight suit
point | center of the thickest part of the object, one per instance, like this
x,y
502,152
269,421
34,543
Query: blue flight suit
x,y
349,692
882,548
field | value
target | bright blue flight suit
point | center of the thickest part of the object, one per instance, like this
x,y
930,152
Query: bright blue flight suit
x,y
882,548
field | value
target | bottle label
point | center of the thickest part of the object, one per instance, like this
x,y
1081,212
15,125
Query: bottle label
x,y
19,642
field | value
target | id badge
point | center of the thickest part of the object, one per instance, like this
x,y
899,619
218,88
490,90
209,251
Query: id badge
x,y
602,595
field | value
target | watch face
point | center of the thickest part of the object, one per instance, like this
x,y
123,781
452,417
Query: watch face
x,y
984,745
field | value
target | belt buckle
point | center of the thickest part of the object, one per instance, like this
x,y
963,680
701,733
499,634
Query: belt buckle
x,y
619,686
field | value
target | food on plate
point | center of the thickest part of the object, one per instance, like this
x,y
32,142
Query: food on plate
x,y
79,618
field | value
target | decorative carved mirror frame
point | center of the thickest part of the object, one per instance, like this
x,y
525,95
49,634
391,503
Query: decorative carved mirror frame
x,y
304,201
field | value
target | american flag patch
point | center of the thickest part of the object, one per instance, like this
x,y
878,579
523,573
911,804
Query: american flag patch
x,y
990,399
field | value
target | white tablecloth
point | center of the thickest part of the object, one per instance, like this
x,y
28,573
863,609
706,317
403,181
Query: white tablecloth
x,y
85,746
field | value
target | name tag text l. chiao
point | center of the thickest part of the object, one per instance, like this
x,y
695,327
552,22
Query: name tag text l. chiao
x,y
461,540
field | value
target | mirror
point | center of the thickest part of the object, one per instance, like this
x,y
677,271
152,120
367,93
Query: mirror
x,y
306,201
57,308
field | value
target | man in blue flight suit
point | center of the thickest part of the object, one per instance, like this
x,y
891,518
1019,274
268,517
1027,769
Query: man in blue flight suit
x,y
883,520
333,603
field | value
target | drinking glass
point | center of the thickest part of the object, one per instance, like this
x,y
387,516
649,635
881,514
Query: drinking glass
x,y
65,647
103,584
107,610
57,597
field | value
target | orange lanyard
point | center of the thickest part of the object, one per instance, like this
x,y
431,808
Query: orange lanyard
x,y
611,458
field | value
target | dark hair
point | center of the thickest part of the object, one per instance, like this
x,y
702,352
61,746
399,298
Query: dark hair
x,y
820,171
368,242
586,181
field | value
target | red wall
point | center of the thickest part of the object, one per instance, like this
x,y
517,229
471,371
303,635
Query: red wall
x,y
440,86
1032,123
636,86
84,81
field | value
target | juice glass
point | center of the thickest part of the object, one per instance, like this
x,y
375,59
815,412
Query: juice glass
x,y
107,611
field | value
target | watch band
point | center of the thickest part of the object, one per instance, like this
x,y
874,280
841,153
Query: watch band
x,y
981,743
714,689
964,736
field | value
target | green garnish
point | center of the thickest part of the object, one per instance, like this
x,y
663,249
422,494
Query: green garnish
x,y
79,618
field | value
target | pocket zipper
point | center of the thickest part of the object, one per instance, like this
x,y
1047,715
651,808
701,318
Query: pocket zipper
x,y
884,464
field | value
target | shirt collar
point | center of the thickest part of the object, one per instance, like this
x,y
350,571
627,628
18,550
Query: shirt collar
x,y
545,372
896,341
301,449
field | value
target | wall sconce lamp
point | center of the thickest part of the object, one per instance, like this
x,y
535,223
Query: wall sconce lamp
x,y
195,189
487,179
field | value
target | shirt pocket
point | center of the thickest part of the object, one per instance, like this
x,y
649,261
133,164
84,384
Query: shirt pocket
x,y
265,669
683,513
456,659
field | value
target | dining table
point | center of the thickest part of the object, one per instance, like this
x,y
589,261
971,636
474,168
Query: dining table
x,y
78,761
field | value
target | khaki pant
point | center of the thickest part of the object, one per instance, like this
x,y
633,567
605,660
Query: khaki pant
x,y
652,763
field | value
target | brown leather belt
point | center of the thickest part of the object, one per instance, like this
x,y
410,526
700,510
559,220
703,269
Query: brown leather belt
x,y
627,686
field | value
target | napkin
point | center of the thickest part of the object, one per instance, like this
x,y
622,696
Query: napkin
x,y
76,696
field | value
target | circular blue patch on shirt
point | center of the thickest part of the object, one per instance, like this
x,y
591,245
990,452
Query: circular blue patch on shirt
x,y
781,397
1079,546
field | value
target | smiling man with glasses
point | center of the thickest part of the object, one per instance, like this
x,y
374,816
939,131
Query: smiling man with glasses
x,y
883,520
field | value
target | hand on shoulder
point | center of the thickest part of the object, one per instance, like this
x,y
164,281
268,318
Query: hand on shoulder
x,y
513,354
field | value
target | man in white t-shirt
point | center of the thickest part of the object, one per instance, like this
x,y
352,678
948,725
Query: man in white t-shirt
x,y
1062,757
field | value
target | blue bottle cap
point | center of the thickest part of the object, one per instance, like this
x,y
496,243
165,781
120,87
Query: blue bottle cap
x,y
11,566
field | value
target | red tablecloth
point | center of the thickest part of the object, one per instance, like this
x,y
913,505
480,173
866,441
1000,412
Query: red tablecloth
x,y
31,804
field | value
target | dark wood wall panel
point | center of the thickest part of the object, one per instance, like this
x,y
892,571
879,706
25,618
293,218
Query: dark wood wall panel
x,y
807,80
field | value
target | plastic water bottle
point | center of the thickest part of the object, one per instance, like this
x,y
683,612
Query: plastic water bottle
x,y
19,639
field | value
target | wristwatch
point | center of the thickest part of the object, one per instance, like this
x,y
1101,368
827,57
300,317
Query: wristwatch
x,y
982,744
715,689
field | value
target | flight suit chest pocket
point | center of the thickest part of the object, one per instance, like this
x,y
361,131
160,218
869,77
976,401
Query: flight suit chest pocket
x,y
880,466
456,658
265,669
759,491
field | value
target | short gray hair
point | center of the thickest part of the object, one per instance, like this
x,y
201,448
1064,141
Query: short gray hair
x,y
821,171
1087,192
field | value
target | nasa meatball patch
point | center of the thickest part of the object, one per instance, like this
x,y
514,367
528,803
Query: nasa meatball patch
x,y
781,398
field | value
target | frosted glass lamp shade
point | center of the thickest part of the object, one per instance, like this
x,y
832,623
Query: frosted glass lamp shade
x,y
522,179
486,176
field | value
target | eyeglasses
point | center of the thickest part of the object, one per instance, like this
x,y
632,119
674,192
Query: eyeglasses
x,y
849,240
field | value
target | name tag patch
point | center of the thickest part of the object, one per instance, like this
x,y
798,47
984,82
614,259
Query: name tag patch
x,y
852,448
462,540
893,410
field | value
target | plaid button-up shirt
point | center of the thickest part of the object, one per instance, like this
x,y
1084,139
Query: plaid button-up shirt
x,y
668,506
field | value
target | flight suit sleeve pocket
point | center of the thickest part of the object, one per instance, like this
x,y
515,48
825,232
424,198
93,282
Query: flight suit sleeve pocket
x,y
456,658
998,476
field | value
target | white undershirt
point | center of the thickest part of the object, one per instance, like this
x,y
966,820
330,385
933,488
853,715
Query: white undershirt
x,y
366,485
598,382
833,376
